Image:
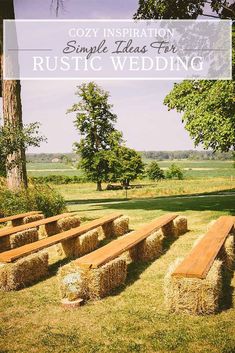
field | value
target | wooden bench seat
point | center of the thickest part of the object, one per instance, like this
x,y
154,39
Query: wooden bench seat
x,y
18,216
112,250
9,231
15,254
199,261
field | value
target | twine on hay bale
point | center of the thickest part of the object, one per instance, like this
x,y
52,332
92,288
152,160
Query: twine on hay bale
x,y
26,237
23,272
73,282
116,228
106,278
180,225
193,295
33,218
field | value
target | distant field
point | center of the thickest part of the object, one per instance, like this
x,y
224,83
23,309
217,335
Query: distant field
x,y
192,169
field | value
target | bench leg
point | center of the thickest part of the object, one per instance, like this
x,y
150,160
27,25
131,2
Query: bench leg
x,y
194,295
106,278
169,230
22,238
150,248
23,272
116,228
75,283
180,225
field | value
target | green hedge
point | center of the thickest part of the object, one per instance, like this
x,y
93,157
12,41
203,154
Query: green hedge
x,y
38,197
59,179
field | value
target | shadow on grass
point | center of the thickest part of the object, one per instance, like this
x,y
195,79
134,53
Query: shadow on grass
x,y
135,269
176,204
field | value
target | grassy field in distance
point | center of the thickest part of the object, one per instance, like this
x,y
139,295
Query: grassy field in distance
x,y
193,169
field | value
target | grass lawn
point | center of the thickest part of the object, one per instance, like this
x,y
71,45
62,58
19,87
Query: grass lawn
x,y
192,169
133,318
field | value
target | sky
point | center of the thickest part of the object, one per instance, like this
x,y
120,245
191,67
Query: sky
x,y
144,120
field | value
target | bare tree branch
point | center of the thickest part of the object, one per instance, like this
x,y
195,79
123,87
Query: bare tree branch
x,y
57,5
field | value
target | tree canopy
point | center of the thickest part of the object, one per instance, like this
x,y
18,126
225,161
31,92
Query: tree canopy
x,y
99,138
154,172
184,9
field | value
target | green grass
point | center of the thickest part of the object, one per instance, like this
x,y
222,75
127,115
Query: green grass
x,y
194,169
134,318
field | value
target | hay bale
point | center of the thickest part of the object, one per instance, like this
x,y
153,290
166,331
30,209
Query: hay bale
x,y
227,253
16,222
104,279
81,245
33,218
116,228
150,248
23,272
50,229
22,238
62,225
107,230
72,282
4,243
169,230
68,223
181,225
120,226
86,243
193,295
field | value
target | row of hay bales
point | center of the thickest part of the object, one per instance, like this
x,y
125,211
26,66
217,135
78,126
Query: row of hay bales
x,y
33,234
201,296
91,284
31,268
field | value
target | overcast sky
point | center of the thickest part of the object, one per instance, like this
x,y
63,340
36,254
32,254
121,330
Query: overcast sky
x,y
144,120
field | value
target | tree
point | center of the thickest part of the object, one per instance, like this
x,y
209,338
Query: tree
x,y
208,112
130,165
12,109
99,138
10,91
155,172
183,9
11,141
175,172
208,107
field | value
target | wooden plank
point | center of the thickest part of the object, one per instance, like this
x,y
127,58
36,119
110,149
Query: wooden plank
x,y
14,254
199,261
110,251
8,231
18,216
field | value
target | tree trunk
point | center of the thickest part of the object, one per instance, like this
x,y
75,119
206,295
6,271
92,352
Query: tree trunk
x,y
12,109
99,186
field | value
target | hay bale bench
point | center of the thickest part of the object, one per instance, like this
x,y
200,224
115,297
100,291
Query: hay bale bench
x,y
25,233
22,218
26,264
95,275
194,285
